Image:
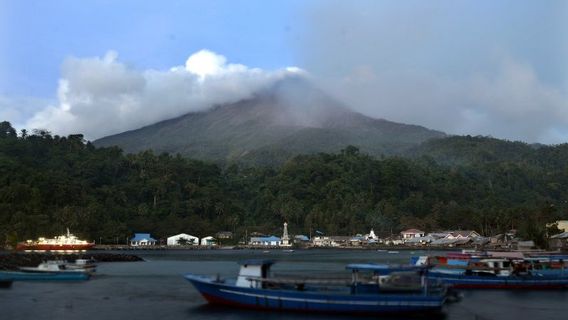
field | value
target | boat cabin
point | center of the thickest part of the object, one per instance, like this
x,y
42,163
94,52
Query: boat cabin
x,y
499,267
369,277
365,279
253,270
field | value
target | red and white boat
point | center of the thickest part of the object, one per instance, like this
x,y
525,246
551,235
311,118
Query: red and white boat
x,y
59,243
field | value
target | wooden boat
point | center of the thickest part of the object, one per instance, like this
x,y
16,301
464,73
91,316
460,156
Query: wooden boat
x,y
80,265
8,276
44,272
54,266
486,281
498,273
385,290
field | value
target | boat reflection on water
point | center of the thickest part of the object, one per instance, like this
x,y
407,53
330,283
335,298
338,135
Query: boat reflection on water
x,y
372,288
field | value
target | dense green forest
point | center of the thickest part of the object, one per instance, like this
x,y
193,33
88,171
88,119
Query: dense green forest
x,y
48,183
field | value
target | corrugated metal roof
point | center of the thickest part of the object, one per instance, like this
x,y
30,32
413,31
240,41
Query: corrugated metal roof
x,y
265,239
142,236
412,231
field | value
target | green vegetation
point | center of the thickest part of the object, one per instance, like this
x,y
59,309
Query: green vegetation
x,y
291,118
48,183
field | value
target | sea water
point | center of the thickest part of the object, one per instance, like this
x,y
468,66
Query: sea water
x,y
156,289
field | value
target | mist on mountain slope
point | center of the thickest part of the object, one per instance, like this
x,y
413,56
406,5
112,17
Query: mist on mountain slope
x,y
290,117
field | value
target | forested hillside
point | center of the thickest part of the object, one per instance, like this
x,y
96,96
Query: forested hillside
x,y
48,183
289,118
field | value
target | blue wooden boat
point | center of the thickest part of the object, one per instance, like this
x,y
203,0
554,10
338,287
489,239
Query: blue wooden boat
x,y
370,289
498,273
486,281
45,271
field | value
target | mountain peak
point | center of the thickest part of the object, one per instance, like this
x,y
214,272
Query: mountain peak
x,y
290,117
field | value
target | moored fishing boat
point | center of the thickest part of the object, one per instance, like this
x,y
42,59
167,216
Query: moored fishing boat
x,y
498,273
473,281
9,276
385,290
57,266
68,242
44,272
80,265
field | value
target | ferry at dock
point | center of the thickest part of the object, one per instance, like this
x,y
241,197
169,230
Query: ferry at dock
x,y
67,242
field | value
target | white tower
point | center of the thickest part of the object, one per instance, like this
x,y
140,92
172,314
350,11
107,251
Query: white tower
x,y
285,237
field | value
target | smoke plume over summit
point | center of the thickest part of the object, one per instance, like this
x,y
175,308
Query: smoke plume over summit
x,y
100,96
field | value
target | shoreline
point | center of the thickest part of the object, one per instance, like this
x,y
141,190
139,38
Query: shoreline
x,y
249,247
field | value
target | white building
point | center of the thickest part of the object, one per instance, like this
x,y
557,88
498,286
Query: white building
x,y
265,241
321,241
208,241
411,233
142,239
182,239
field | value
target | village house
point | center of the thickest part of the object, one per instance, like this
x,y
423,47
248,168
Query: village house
x,y
265,241
182,239
142,239
224,235
301,239
340,241
357,240
331,241
420,241
208,241
411,233
453,238
470,234
321,241
393,242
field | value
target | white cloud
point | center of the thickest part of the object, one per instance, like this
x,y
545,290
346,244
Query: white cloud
x,y
17,110
444,66
102,96
508,103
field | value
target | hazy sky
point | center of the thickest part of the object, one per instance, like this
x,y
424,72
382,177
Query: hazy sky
x,y
464,67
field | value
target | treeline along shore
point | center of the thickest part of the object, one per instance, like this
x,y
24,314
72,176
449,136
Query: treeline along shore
x,y
49,183
14,260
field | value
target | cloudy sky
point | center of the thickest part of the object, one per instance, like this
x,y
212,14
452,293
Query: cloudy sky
x,y
464,67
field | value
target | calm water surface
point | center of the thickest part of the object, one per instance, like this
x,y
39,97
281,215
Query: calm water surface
x,y
155,289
